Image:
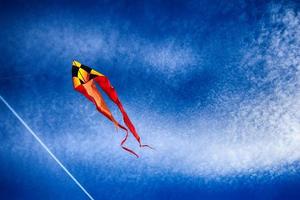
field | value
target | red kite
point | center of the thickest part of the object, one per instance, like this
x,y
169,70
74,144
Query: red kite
x,y
84,81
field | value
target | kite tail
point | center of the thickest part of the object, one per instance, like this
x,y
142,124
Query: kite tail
x,y
126,136
131,126
127,149
111,92
146,145
87,92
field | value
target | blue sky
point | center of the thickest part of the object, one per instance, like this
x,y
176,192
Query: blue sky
x,y
212,85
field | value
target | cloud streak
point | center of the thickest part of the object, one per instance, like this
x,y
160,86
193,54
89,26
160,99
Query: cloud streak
x,y
261,133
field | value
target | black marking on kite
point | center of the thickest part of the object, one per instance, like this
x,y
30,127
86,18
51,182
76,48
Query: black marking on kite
x,y
86,68
75,71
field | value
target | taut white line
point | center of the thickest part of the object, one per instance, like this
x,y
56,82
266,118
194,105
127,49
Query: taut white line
x,y
46,148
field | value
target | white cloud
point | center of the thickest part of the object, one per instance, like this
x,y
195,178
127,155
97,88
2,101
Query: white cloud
x,y
105,42
260,133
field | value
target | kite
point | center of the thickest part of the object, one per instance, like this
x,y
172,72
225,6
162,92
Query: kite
x,y
84,81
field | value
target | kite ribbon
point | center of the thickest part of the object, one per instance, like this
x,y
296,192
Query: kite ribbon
x,y
90,91
105,84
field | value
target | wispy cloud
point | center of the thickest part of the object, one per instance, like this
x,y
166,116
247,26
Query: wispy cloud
x,y
259,131
106,42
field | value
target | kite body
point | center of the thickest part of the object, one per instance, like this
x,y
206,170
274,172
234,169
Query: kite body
x,y
84,81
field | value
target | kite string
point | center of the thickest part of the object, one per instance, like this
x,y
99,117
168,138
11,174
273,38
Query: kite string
x,y
46,148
